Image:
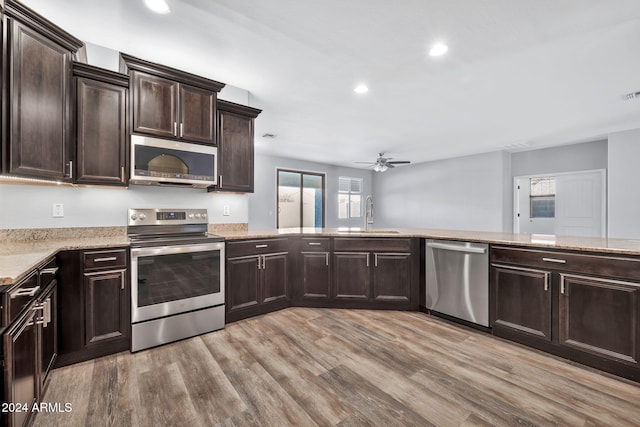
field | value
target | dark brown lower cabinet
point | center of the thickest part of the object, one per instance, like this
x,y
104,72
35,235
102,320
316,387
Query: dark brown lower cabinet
x,y
257,280
48,332
94,304
522,299
21,369
583,307
104,317
315,275
600,317
351,276
392,277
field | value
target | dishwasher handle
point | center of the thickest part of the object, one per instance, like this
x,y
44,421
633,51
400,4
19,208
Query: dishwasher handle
x,y
455,248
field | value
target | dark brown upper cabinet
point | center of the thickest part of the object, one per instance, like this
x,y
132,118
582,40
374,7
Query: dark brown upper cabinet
x,y
101,125
37,88
170,103
235,147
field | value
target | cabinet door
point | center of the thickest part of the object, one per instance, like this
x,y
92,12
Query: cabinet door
x,y
600,316
105,303
235,152
522,300
351,278
242,282
391,276
155,100
49,333
197,120
316,275
39,95
275,277
20,355
101,132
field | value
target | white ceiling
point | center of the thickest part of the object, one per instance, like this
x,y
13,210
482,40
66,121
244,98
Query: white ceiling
x,y
519,73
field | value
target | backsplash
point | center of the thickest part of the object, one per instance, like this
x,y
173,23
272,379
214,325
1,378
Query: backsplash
x,y
31,206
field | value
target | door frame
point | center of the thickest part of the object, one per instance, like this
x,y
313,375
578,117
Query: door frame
x,y
605,196
323,175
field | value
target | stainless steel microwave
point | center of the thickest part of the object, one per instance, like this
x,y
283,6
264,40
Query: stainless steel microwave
x,y
157,161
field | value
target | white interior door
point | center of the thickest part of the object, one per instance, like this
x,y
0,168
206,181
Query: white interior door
x,y
579,204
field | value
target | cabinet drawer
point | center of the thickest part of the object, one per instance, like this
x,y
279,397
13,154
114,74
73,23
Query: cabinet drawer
x,y
371,244
607,266
94,260
20,296
308,244
256,247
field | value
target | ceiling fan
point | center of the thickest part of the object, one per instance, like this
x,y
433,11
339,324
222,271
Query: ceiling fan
x,y
382,163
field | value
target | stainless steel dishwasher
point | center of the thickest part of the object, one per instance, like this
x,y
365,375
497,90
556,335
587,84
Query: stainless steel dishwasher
x,y
457,279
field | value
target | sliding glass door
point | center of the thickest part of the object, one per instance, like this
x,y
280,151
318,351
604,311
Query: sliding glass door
x,y
300,199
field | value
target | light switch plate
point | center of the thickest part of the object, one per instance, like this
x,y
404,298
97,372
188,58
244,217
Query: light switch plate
x,y
225,210
58,210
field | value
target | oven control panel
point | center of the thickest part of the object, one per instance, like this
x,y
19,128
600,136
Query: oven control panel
x,y
167,216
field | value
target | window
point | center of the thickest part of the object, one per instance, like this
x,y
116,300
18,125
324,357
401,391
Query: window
x,y
349,197
543,197
300,199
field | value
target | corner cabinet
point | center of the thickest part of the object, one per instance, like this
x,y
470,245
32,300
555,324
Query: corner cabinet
x,y
94,301
170,103
38,90
101,126
235,147
257,277
584,307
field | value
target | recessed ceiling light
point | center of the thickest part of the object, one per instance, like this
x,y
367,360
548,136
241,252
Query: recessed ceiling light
x,y
158,6
361,88
438,49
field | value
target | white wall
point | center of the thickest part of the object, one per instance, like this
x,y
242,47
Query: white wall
x,y
30,206
566,158
466,193
624,185
262,203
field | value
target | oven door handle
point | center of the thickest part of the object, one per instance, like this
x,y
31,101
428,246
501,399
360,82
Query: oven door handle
x,y
166,250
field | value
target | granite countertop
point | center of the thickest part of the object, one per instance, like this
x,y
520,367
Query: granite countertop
x,y
19,256
590,244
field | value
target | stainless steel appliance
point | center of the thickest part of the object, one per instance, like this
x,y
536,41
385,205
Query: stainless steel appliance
x,y
457,280
177,276
157,161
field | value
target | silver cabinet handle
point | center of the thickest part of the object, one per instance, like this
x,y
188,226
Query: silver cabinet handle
x,y
181,130
41,320
367,260
175,128
47,311
326,259
220,181
264,262
122,172
556,260
29,292
53,270
314,244
261,246
70,169
110,258
259,262
562,284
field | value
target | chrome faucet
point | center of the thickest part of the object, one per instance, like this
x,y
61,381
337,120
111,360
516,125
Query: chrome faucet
x,y
368,212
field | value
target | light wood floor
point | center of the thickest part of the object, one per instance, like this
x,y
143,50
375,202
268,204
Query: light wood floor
x,y
306,367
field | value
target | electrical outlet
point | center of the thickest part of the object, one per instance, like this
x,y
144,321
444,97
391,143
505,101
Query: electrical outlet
x,y
225,210
58,210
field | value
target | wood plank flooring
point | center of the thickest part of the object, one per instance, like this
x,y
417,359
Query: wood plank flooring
x,y
306,367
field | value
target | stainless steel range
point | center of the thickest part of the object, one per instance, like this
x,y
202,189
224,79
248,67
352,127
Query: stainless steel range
x,y
177,276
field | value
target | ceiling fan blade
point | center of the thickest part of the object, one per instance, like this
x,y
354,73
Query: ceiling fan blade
x,y
367,163
389,165
399,162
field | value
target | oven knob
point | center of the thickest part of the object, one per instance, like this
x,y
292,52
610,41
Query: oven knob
x,y
191,216
198,215
204,215
134,217
142,216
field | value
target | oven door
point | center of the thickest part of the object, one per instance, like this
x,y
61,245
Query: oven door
x,y
176,279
